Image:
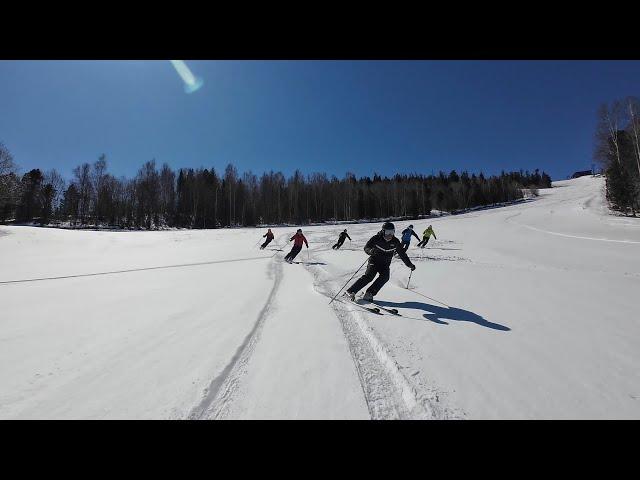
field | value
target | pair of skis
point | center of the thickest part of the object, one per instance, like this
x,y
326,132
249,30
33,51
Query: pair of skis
x,y
375,309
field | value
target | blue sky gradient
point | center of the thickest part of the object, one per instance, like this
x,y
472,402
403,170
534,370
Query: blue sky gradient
x,y
329,116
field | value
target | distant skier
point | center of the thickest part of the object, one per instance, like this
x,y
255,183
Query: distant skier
x,y
341,238
426,235
269,236
406,237
298,238
380,249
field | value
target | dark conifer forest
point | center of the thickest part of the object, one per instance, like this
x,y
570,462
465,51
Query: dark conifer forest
x,y
159,197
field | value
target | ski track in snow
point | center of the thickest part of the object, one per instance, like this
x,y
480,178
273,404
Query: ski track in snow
x,y
132,270
388,392
510,219
220,393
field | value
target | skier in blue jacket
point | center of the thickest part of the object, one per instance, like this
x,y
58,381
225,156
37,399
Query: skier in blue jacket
x,y
406,237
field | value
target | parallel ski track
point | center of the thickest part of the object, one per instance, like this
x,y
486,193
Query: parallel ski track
x,y
387,392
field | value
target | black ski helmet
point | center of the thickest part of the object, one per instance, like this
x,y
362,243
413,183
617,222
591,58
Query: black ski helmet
x,y
345,230
388,226
411,227
299,230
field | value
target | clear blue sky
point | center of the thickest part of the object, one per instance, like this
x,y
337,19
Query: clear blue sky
x,y
331,116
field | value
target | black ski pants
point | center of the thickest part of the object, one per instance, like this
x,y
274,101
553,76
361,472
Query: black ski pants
x,y
292,254
338,245
372,269
424,242
267,242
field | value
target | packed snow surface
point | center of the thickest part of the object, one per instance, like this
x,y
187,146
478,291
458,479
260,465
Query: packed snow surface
x,y
527,311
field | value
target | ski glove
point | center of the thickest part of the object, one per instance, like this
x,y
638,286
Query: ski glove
x,y
412,267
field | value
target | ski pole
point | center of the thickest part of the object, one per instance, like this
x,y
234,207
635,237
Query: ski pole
x,y
423,295
354,274
409,279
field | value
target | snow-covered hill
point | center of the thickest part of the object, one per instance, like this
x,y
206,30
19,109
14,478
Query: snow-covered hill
x,y
527,311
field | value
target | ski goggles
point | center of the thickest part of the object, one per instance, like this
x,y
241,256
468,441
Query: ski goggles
x,y
389,233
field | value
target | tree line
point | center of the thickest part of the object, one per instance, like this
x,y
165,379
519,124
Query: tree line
x,y
617,149
203,198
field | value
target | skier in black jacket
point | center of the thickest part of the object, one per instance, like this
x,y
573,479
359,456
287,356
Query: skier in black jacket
x,y
380,249
341,238
269,236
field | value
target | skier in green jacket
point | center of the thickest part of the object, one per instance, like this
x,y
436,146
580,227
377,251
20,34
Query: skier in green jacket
x,y
426,235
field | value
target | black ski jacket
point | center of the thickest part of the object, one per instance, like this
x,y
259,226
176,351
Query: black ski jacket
x,y
344,235
381,251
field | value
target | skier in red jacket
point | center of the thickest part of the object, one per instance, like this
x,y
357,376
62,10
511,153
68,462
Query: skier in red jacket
x,y
298,238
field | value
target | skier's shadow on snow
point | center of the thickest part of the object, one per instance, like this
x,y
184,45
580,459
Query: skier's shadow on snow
x,y
436,314
310,263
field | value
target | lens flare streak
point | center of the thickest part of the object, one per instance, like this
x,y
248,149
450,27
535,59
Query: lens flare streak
x,y
191,82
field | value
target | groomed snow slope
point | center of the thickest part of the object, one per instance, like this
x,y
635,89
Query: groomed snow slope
x,y
526,311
